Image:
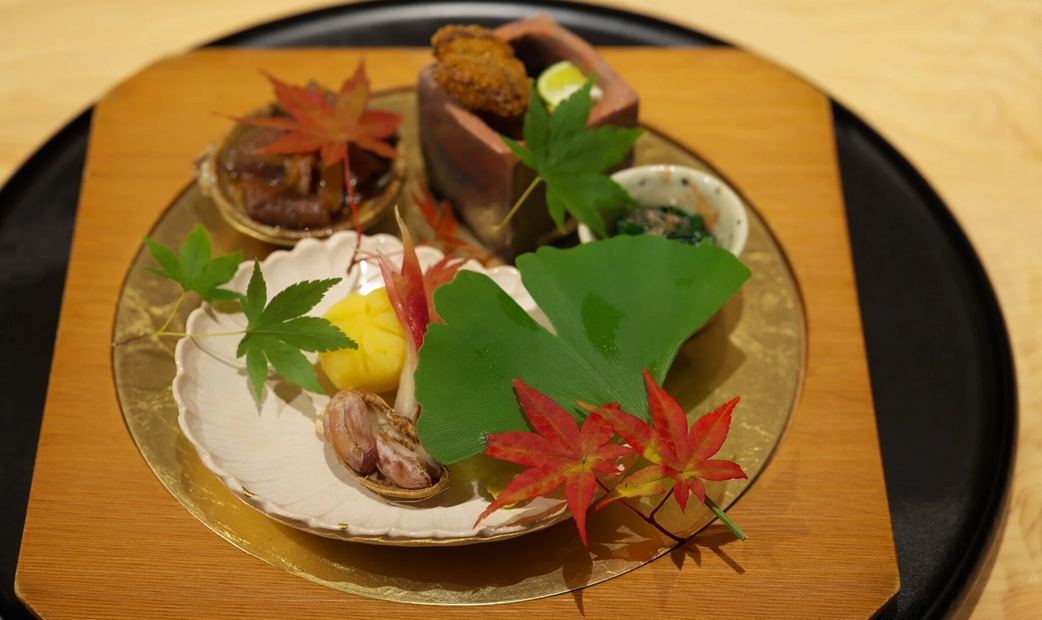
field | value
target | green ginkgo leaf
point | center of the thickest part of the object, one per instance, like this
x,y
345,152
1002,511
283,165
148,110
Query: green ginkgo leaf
x,y
617,306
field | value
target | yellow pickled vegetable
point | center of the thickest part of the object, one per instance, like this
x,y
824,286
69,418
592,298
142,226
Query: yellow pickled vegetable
x,y
377,363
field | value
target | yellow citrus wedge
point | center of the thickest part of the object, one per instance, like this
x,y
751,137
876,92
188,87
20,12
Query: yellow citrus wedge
x,y
559,81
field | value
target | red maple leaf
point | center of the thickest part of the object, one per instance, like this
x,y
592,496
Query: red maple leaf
x,y
558,453
443,222
315,124
676,453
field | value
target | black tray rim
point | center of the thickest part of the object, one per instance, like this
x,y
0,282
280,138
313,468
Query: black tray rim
x,y
985,537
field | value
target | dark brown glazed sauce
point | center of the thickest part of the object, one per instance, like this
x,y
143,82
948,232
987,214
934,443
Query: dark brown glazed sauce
x,y
296,191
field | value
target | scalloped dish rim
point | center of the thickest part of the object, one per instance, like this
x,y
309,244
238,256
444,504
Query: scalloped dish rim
x,y
390,535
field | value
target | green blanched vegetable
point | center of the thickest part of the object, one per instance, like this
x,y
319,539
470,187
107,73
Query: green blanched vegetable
x,y
669,222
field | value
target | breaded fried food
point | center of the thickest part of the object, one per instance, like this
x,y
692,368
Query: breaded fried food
x,y
469,40
495,85
480,71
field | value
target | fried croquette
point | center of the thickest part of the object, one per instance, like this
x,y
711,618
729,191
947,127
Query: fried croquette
x,y
469,40
480,71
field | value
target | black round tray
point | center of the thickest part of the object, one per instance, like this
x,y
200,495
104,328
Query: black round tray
x,y
942,372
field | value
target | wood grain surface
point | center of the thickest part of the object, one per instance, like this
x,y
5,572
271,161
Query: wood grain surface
x,y
954,84
818,513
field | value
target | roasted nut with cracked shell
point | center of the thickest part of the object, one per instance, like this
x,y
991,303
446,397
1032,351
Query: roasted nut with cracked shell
x,y
380,448
347,426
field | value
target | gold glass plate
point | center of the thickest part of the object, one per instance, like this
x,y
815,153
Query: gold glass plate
x,y
753,348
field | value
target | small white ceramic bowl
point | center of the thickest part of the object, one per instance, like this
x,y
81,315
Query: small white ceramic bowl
x,y
689,189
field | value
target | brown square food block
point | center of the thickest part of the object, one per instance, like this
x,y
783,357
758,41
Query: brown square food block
x,y
469,164
104,539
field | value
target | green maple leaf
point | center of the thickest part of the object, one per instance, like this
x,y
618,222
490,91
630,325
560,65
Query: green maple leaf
x,y
278,333
193,269
570,158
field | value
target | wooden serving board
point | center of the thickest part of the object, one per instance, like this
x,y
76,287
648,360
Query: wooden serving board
x,y
103,539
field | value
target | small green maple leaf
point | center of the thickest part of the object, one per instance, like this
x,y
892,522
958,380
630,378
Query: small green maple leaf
x,y
193,269
571,158
278,334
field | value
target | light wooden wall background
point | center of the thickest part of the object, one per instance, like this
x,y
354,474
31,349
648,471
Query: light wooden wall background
x,y
956,85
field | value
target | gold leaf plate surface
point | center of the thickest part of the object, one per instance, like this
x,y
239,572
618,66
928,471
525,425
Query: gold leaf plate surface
x,y
754,348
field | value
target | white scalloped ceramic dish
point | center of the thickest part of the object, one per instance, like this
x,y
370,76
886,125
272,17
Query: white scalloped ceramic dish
x,y
270,455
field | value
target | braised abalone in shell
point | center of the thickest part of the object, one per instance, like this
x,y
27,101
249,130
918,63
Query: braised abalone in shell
x,y
296,191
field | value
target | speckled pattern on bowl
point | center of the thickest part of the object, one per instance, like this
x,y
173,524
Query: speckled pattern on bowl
x,y
689,189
